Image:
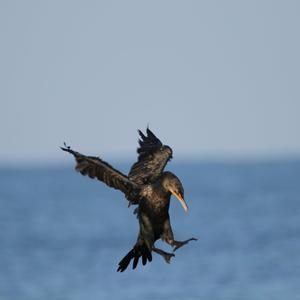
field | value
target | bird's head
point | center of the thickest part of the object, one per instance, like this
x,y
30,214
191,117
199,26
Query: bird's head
x,y
173,185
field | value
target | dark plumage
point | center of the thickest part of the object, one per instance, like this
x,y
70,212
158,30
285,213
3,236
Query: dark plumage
x,y
147,186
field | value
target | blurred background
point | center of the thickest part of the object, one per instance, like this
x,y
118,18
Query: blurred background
x,y
217,81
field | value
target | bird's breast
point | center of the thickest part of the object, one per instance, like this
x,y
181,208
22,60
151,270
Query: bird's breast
x,y
154,202
147,191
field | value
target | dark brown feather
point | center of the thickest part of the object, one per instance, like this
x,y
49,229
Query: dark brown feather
x,y
152,159
94,167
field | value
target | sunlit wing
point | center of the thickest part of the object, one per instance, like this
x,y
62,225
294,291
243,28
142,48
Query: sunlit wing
x,y
152,158
94,167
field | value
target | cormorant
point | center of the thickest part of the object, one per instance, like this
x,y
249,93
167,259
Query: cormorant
x,y
149,187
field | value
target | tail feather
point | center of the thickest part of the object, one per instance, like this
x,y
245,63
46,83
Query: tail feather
x,y
137,252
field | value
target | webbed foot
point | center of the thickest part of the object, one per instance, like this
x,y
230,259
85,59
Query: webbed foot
x,y
167,256
178,244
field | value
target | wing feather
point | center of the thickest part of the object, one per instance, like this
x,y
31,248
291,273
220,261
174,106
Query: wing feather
x,y
152,158
94,167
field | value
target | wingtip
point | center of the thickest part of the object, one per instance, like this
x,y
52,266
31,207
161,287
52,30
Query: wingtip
x,y
150,133
66,148
148,130
141,134
120,269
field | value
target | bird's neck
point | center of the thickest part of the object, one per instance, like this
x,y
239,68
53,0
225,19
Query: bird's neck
x,y
165,181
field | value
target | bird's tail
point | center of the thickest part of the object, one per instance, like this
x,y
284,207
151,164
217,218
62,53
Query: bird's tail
x,y
137,252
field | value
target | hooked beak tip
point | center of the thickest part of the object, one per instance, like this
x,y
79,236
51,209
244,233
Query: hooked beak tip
x,y
185,207
181,200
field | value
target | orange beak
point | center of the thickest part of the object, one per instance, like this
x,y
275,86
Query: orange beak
x,y
181,200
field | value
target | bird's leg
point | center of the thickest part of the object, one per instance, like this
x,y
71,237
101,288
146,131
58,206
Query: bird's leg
x,y
168,236
177,244
167,256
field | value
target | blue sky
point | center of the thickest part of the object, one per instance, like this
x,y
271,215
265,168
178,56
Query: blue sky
x,y
214,79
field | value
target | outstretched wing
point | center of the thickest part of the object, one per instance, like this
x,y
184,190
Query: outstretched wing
x,y
152,159
94,167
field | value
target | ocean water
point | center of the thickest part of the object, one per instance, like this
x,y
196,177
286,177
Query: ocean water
x,y
62,235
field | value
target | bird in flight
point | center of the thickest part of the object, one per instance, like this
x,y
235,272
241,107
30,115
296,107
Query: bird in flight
x,y
149,187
